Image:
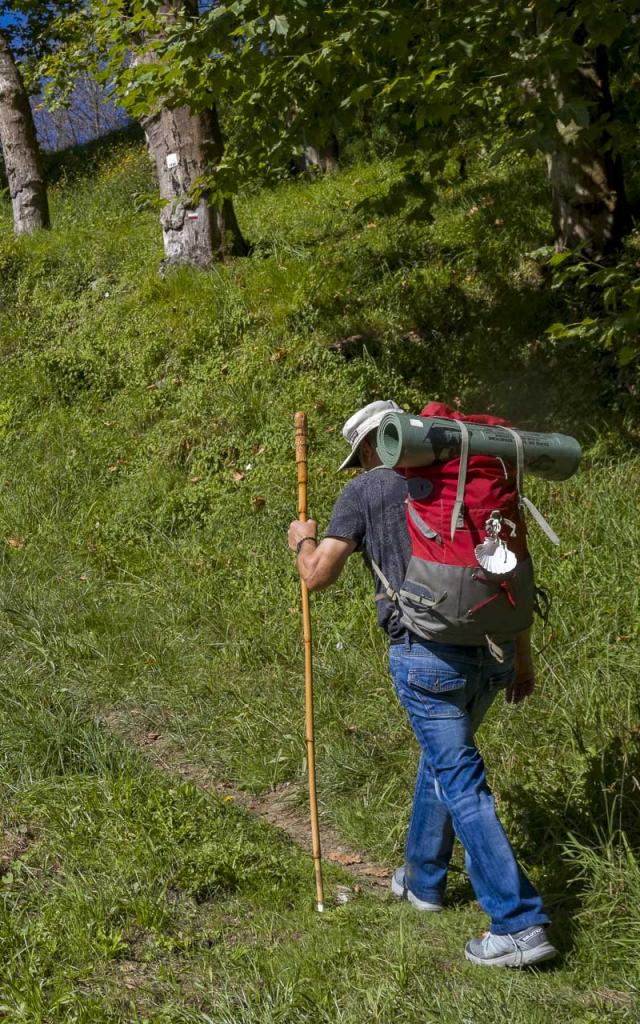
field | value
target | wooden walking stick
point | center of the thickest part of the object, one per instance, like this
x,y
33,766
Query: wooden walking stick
x,y
301,464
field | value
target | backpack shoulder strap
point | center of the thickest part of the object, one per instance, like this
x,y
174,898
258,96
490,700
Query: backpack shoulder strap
x,y
519,459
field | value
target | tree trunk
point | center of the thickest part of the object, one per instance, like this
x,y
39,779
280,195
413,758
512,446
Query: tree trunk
x,y
330,155
326,157
20,148
184,146
587,182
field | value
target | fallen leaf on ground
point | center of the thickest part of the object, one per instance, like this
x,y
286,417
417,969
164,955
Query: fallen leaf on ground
x,y
338,857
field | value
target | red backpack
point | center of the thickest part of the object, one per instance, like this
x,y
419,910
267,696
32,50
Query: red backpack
x,y
452,508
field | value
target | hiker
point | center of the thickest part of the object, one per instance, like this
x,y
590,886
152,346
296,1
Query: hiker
x,y
446,690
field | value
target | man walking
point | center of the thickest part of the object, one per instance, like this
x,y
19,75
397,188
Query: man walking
x,y
446,690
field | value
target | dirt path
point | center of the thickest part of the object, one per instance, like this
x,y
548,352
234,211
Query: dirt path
x,y
12,846
279,807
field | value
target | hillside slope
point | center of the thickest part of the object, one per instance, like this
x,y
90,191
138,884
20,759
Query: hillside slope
x,y
147,474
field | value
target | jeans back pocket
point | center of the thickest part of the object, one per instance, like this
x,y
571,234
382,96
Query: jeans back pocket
x,y
442,694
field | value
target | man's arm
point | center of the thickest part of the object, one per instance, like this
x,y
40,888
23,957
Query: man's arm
x,y
525,678
320,564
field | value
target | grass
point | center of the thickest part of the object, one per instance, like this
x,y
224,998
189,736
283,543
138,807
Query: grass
x,y
147,477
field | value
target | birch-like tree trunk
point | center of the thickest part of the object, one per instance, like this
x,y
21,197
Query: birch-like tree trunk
x,y
20,148
586,176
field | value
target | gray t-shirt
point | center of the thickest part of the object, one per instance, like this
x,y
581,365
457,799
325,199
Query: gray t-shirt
x,y
371,511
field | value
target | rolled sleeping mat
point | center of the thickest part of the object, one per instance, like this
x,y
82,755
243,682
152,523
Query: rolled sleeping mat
x,y
408,441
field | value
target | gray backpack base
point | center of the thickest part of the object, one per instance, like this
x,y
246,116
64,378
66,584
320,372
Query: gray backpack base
x,y
470,608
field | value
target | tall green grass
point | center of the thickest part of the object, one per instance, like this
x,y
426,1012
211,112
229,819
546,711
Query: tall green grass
x,y
147,480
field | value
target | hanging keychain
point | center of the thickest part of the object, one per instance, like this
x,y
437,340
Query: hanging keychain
x,y
493,554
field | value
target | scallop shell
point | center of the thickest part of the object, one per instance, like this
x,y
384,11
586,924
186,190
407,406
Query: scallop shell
x,y
496,558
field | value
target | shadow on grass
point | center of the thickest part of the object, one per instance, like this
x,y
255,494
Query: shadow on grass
x,y
83,161
603,812
491,353
457,311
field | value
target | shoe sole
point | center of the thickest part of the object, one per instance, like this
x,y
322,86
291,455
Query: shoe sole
x,y
517,958
406,894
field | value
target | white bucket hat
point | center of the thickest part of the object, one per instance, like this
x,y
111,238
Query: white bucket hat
x,y
362,423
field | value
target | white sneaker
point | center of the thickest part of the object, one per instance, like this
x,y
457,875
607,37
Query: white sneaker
x,y
399,889
518,949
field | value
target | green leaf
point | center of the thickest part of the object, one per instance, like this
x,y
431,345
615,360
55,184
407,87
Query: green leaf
x,y
363,92
607,25
557,331
559,258
279,24
431,77
627,354
543,253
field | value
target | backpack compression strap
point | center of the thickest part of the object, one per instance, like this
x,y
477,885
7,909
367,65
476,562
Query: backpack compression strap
x,y
388,589
395,597
519,459
535,512
456,515
420,525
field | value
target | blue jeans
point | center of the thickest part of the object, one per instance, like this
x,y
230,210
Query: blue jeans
x,y
446,691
